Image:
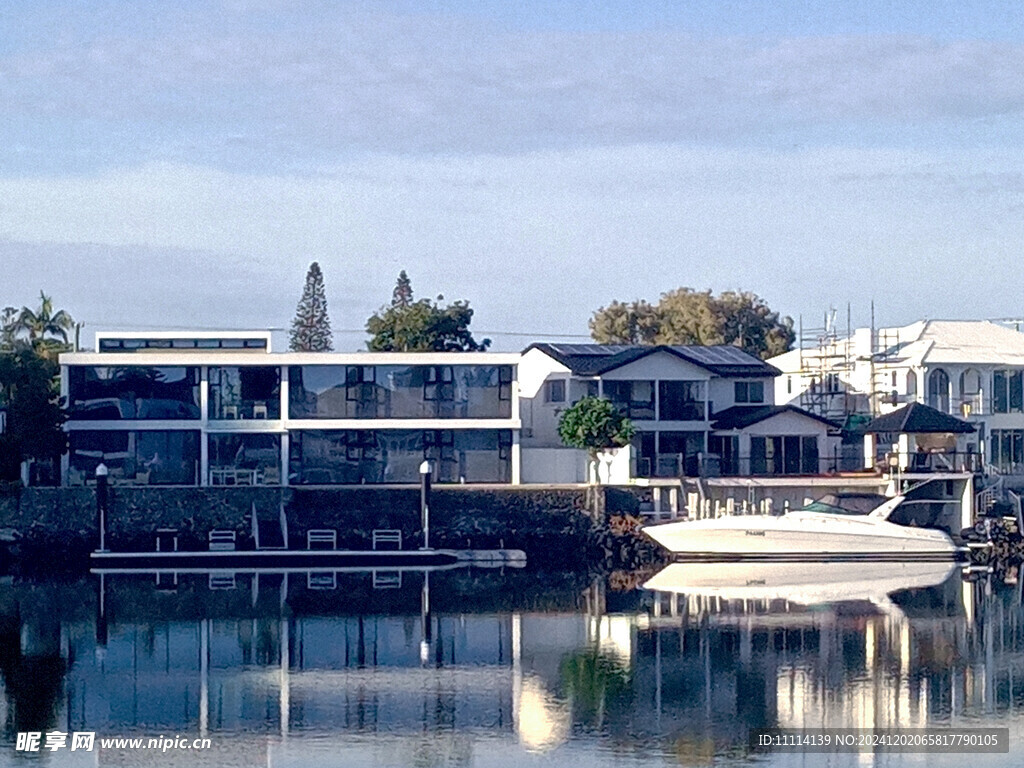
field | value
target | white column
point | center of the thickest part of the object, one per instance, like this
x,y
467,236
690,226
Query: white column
x,y
516,458
284,423
204,437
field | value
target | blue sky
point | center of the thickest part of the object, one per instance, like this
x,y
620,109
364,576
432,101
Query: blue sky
x,y
181,164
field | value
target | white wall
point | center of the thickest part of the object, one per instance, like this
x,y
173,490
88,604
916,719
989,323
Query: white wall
x,y
553,465
661,365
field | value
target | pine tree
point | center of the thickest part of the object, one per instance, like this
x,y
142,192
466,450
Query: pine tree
x,y
402,295
311,328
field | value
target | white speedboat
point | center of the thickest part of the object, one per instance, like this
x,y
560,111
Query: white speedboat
x,y
802,583
819,531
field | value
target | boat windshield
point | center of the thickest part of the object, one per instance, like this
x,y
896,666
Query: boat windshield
x,y
859,504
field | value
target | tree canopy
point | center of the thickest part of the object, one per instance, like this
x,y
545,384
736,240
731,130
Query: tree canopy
x,y
594,424
686,316
30,341
402,295
422,326
43,329
311,328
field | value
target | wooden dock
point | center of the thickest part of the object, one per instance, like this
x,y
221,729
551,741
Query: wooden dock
x,y
304,560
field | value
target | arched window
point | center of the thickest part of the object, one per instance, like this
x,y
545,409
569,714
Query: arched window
x,y
938,390
970,392
911,385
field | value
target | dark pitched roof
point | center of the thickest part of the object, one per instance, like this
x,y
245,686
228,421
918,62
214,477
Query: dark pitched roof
x,y
595,359
741,416
918,418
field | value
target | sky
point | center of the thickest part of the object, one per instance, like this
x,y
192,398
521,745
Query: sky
x,y
181,164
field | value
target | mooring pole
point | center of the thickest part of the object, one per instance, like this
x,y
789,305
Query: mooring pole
x,y
101,504
425,470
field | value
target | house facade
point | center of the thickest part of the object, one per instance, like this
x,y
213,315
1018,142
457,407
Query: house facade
x,y
972,370
202,409
698,411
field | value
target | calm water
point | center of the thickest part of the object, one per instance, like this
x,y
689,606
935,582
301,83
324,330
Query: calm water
x,y
492,668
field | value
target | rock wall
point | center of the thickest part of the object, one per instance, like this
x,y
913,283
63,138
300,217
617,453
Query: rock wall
x,y
564,527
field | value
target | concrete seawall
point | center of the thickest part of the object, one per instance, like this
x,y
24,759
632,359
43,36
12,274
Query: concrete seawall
x,y
564,526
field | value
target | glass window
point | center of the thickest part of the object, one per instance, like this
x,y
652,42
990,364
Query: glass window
x,y
244,459
809,459
1000,399
554,391
678,453
400,392
633,398
938,390
681,400
354,457
136,457
98,393
1016,394
749,392
245,392
784,455
1007,449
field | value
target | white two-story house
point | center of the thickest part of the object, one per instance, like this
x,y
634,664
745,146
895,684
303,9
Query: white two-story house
x,y
698,411
970,369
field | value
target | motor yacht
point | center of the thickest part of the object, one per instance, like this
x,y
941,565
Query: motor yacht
x,y
824,529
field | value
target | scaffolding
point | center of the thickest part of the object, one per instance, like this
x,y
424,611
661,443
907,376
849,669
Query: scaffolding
x,y
826,364
832,379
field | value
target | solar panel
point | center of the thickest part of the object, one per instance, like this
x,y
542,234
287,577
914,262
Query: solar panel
x,y
719,355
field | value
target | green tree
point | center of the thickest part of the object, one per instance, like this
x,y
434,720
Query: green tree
x,y
402,295
423,326
311,328
43,329
619,323
30,392
594,424
686,316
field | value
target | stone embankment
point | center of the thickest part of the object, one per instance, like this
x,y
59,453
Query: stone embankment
x,y
588,527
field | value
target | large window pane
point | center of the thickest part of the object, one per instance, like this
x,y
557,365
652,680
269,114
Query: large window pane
x,y
400,392
137,457
353,457
1000,401
681,400
1016,395
633,398
245,459
133,392
809,456
245,392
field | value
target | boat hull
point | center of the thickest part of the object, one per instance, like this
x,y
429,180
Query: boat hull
x,y
801,536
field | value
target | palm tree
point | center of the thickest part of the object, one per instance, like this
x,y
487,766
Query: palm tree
x,y
44,326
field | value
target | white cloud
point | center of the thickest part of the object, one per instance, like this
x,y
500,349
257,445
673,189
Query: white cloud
x,y
537,241
231,89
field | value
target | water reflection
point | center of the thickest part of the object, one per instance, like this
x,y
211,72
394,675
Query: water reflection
x,y
471,667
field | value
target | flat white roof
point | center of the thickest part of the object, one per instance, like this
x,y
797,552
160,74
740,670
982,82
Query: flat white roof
x,y
260,357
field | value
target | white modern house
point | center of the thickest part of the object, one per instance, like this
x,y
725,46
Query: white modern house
x,y
973,370
219,408
698,411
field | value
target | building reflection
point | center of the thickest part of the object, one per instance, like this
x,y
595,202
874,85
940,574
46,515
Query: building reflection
x,y
413,660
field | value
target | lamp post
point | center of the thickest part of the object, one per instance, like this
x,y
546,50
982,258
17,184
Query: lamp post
x,y
425,470
101,504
